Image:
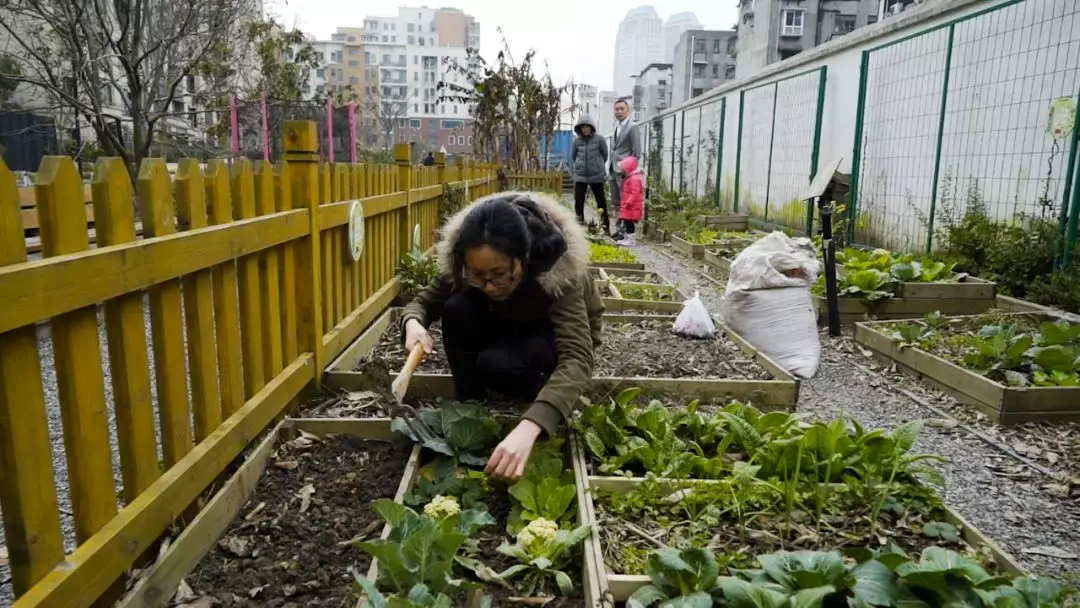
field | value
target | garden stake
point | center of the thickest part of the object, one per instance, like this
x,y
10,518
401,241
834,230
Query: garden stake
x,y
829,251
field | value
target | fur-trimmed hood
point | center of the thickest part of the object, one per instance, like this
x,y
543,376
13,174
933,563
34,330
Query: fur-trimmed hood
x,y
570,267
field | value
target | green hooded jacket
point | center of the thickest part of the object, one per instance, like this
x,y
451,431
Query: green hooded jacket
x,y
571,300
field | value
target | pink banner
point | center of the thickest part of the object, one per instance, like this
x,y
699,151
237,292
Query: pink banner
x,y
330,128
352,132
266,130
234,126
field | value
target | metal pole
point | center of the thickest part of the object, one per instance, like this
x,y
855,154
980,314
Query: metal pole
x,y
772,141
856,157
738,150
829,249
815,154
940,136
1072,181
720,151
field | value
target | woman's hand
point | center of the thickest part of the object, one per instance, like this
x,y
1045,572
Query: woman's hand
x,y
510,457
416,334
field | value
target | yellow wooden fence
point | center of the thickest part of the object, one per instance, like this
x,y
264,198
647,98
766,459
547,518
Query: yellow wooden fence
x,y
249,264
535,181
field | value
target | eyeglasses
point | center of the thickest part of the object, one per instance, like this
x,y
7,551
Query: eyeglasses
x,y
498,279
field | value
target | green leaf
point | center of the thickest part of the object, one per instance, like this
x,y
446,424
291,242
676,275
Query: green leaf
x,y
420,594
874,583
940,529
513,571
646,596
562,579
1039,591
812,598
472,520
905,271
394,569
393,512
1056,358
595,444
697,599
374,598
742,594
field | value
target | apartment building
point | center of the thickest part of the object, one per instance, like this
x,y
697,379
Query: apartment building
x,y
773,30
703,61
406,56
605,111
639,42
652,91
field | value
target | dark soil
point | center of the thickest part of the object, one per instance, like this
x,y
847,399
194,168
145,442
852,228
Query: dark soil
x,y
285,551
390,349
649,349
646,349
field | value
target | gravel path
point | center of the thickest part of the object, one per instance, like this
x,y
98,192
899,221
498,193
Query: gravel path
x,y
995,492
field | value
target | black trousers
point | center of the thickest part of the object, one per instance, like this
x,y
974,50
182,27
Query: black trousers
x,y
488,352
580,190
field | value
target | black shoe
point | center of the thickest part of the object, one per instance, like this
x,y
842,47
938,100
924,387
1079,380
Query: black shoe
x,y
581,220
618,236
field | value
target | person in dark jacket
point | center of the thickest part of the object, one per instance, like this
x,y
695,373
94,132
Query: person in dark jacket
x,y
429,160
520,313
589,156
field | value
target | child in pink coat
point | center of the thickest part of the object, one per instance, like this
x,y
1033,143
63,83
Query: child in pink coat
x,y
631,199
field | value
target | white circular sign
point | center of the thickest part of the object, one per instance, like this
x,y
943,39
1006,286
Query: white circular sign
x,y
416,235
356,230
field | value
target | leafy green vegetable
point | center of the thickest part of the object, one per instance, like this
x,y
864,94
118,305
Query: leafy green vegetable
x,y
543,559
869,284
545,491
940,529
464,431
679,578
421,550
442,477
611,254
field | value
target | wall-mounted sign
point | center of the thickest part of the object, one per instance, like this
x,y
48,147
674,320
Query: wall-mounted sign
x,y
356,230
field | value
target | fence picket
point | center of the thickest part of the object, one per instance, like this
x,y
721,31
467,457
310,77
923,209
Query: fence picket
x,y
339,238
27,494
269,270
198,306
226,305
166,321
326,250
251,326
77,355
289,320
114,222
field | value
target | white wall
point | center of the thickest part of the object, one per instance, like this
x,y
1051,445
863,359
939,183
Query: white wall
x,y
1007,67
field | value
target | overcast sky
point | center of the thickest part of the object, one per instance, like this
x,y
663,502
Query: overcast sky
x,y
575,37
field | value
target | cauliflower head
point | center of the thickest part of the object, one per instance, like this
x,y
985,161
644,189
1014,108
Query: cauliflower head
x,y
442,507
537,533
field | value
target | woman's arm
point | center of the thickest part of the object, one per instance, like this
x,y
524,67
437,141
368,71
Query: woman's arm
x,y
574,350
427,306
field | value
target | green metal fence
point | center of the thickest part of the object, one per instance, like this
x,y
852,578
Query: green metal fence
x,y
975,113
779,141
978,110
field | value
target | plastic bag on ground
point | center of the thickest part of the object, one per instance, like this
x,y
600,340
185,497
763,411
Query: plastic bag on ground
x,y
768,301
694,320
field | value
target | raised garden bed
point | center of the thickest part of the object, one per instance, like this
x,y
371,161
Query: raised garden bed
x,y
605,255
735,222
503,527
636,276
665,299
791,497
644,354
287,520
727,243
994,362
653,231
882,285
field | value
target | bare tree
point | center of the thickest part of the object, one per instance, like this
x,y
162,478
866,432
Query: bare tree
x,y
125,62
379,116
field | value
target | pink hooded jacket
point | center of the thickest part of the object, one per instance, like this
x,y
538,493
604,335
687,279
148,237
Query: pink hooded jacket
x,y
632,195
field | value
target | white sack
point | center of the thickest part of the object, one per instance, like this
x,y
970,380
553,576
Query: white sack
x,y
768,301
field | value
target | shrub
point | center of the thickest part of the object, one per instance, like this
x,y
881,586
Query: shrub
x,y
1059,289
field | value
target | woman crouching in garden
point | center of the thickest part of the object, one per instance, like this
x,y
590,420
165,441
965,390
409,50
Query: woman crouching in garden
x,y
520,313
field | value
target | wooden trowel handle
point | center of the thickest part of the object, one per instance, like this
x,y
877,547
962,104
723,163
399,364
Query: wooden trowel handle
x,y
401,383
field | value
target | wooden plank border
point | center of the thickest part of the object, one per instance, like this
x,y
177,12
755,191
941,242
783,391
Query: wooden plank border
x,y
782,392
617,265
1003,404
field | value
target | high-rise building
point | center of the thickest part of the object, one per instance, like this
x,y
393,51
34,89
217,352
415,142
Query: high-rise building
x,y
773,30
673,29
703,60
640,41
585,102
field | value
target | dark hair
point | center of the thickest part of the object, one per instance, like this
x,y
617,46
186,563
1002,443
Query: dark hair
x,y
515,226
624,102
